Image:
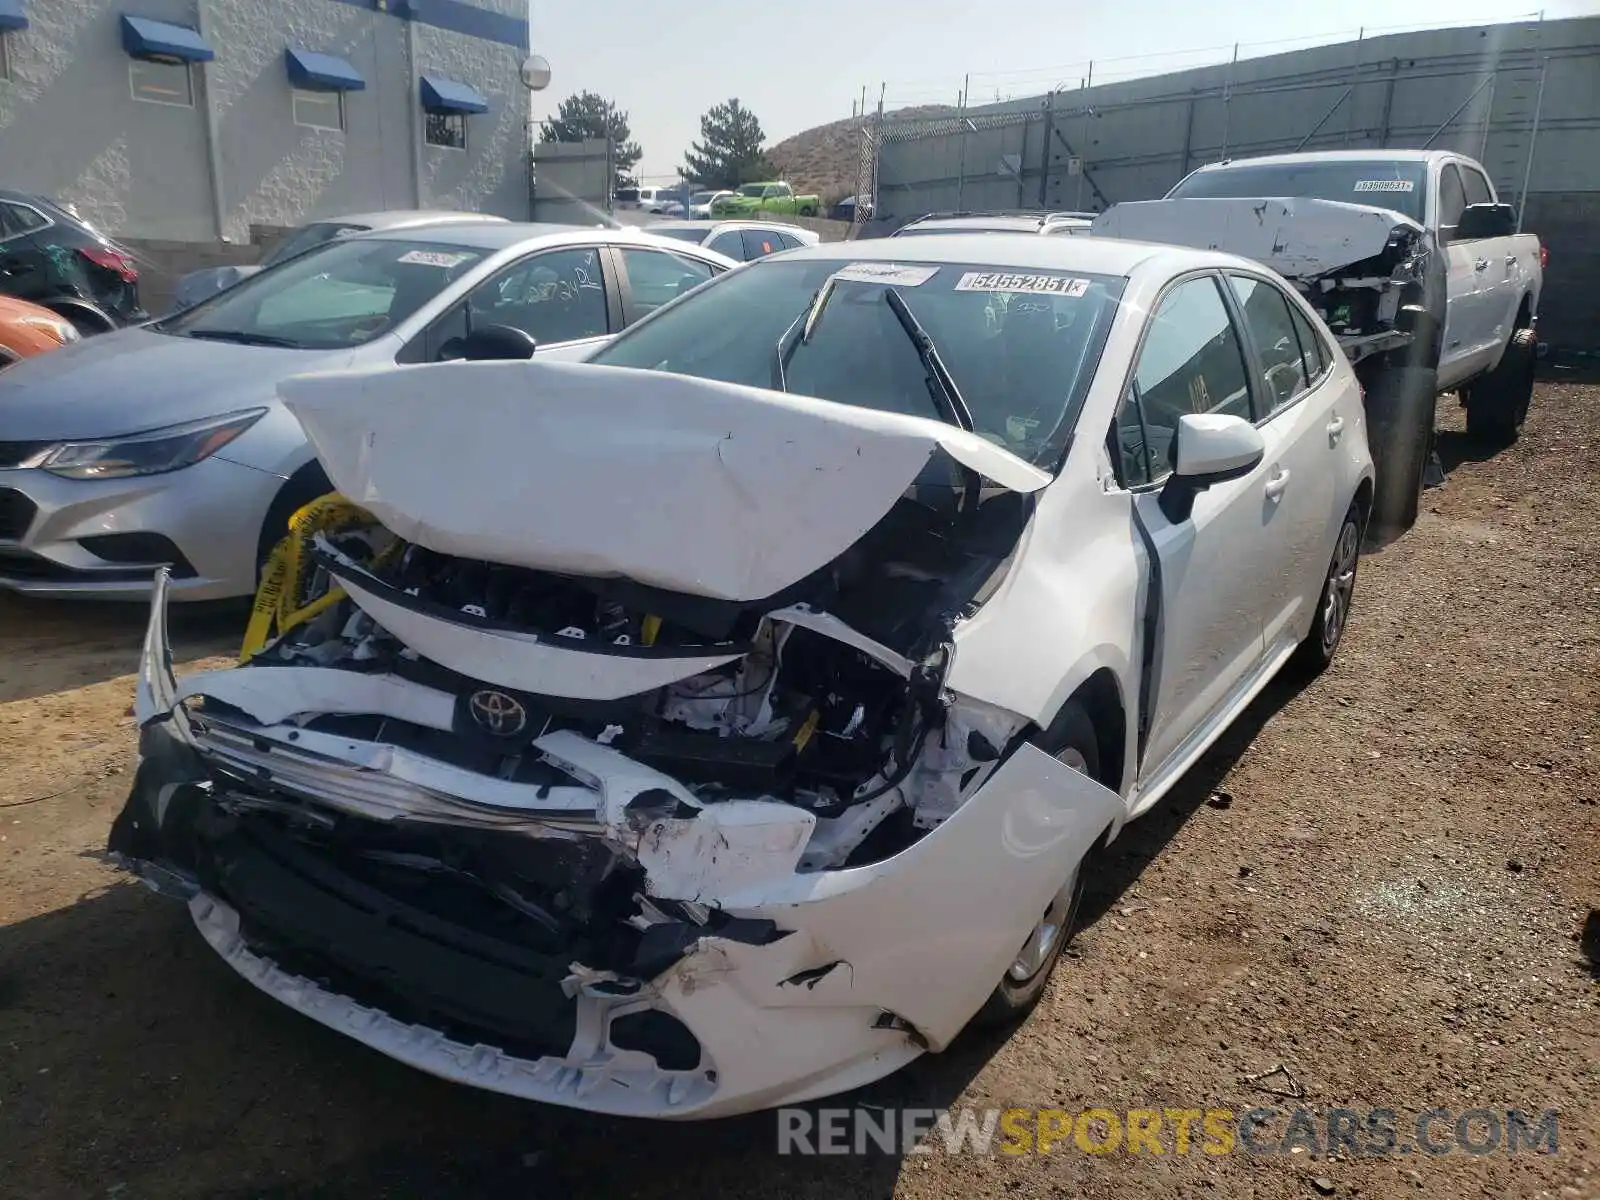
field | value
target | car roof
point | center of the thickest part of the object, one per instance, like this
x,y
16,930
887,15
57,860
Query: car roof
x,y
1274,160
395,218
1025,252
1018,220
485,235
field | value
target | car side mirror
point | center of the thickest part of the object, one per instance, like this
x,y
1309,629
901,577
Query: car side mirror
x,y
1207,449
1486,221
495,343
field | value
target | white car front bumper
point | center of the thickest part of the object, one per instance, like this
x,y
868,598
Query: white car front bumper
x,y
861,970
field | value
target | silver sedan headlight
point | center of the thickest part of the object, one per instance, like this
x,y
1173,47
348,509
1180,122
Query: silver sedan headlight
x,y
150,453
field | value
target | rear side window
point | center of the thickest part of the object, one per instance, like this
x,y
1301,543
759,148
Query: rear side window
x,y
1266,315
758,243
1312,347
656,278
730,243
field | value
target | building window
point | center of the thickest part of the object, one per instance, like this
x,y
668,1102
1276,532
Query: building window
x,y
318,110
447,129
161,82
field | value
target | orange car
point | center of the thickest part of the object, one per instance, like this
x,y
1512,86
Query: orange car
x,y
26,330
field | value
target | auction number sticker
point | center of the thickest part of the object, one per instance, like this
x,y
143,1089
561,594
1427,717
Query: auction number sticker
x,y
433,258
993,281
1385,185
890,274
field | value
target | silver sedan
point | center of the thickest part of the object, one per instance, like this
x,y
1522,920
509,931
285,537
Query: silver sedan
x,y
166,443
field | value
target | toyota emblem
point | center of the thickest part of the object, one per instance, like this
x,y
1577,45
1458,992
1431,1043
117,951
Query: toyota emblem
x,y
497,713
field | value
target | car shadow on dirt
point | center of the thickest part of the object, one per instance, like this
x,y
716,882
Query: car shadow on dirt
x,y
195,1084
48,646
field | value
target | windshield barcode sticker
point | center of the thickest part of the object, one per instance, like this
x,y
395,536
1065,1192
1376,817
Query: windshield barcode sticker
x,y
991,281
1384,185
889,274
433,258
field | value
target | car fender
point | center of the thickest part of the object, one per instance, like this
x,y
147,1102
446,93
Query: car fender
x,y
1081,582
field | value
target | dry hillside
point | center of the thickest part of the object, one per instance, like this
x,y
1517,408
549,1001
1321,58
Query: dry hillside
x,y
827,159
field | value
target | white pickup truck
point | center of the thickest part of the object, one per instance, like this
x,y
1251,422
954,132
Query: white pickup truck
x,y
1412,261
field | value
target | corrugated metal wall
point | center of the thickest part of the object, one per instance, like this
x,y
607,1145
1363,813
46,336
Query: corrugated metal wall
x,y
1471,89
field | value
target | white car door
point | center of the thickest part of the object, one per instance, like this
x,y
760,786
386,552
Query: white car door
x,y
1297,410
1210,564
1466,327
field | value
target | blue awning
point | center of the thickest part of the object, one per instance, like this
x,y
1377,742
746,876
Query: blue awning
x,y
451,96
321,72
12,16
144,38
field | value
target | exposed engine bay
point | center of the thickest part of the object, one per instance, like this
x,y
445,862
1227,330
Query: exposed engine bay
x,y
1364,269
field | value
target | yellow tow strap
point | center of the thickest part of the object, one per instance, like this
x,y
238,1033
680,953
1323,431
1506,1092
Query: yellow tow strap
x,y
278,606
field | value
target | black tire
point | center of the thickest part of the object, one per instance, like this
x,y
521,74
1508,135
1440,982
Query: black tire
x,y
309,483
1400,404
1497,405
1071,737
87,319
1334,602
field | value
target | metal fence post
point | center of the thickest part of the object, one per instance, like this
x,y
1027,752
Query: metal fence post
x,y
961,169
1533,141
1227,101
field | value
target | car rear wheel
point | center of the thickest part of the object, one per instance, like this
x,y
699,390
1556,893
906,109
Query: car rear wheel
x,y
1070,739
1497,405
1338,592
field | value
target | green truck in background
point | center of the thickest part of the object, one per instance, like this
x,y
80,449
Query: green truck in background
x,y
767,197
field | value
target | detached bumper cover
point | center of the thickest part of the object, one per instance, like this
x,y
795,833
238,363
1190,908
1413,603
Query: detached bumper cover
x,y
832,995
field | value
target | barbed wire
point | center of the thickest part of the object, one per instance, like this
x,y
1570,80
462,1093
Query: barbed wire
x,y
999,86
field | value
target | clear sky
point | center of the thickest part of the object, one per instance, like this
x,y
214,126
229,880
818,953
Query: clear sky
x,y
798,65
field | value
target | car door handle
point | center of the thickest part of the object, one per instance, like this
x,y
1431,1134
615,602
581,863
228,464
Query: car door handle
x,y
1335,430
1277,485
1481,265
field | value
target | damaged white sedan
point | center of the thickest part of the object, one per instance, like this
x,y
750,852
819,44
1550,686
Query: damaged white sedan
x,y
727,721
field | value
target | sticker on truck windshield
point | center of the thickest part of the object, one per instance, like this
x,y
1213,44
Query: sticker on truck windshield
x,y
1385,185
888,274
994,281
433,258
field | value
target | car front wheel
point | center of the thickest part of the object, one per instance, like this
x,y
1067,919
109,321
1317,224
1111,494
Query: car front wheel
x,y
1071,740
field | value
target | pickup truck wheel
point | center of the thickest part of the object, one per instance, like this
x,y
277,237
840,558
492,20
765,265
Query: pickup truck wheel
x,y
1497,404
1071,739
1400,408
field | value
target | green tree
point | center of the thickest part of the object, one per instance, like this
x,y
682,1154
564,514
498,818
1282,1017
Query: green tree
x,y
729,150
587,115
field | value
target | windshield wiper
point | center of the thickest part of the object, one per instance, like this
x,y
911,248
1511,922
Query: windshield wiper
x,y
799,334
941,384
244,337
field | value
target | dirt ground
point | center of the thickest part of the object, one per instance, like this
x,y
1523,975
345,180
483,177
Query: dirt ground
x,y
1378,882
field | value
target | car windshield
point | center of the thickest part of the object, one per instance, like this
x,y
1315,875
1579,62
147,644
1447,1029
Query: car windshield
x,y
1021,347
1380,183
753,189
308,236
702,197
338,295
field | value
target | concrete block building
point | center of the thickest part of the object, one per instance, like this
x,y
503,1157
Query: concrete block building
x,y
192,121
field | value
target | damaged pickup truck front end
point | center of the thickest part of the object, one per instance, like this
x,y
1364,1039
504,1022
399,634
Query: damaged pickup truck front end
x,y
556,810
1363,268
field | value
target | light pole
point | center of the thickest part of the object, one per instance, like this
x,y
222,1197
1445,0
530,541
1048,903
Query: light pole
x,y
535,77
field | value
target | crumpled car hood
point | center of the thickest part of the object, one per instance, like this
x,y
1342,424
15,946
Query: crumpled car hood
x,y
691,485
1297,238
